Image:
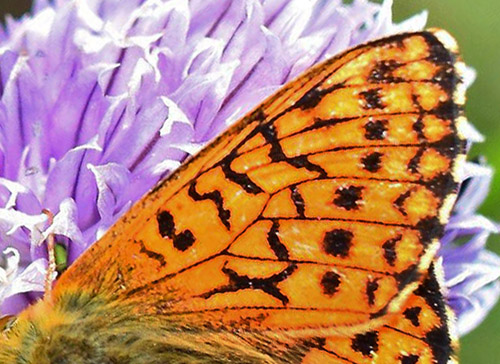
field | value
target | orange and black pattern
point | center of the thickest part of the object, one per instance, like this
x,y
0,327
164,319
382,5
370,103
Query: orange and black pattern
x,y
419,334
317,215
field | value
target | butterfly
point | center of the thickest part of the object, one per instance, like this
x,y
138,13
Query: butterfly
x,y
306,233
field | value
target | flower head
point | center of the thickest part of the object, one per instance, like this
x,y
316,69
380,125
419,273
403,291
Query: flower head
x,y
100,99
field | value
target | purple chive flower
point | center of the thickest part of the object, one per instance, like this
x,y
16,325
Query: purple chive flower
x,y
100,99
471,271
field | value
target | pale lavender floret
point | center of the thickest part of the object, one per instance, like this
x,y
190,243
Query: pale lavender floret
x,y
102,98
471,271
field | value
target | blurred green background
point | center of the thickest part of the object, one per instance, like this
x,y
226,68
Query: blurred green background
x,y
476,26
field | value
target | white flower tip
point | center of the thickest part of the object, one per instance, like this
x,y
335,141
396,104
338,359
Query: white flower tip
x,y
472,169
468,131
175,115
468,76
166,165
144,41
104,72
15,219
11,258
141,69
15,190
89,42
92,144
190,148
415,23
91,19
65,222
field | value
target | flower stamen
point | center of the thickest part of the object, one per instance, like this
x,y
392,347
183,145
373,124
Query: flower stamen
x,y
52,266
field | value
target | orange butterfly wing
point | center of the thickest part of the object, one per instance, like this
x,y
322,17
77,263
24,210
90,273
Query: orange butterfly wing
x,y
420,333
317,213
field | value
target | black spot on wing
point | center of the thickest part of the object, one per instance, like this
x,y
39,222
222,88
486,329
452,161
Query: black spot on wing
x,y
414,162
166,228
330,283
310,99
276,245
302,161
418,127
298,201
372,99
442,185
348,197
240,179
337,242
376,130
371,288
268,285
314,96
390,254
276,153
429,228
409,359
372,162
184,240
366,343
382,72
151,254
216,198
166,224
413,315
400,201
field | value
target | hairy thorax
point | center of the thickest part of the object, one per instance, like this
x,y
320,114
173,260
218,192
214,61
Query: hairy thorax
x,y
80,329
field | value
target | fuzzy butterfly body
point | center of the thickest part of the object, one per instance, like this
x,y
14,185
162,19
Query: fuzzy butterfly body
x,y
305,233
